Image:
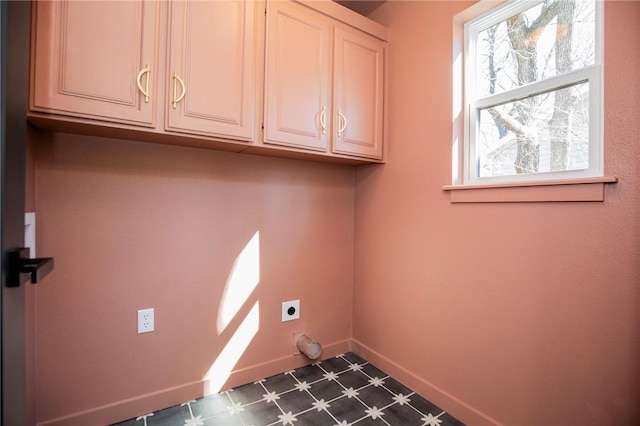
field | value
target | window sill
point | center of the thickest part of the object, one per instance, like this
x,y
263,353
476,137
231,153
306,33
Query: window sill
x,y
587,189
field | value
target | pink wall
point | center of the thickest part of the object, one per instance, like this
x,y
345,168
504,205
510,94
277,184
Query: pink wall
x,y
520,314
135,225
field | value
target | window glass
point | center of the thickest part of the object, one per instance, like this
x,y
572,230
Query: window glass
x,y
548,39
548,132
533,92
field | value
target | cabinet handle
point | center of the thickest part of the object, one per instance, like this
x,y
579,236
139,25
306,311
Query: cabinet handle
x,y
177,98
322,122
145,91
341,119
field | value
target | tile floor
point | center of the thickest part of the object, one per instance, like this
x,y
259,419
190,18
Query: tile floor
x,y
340,391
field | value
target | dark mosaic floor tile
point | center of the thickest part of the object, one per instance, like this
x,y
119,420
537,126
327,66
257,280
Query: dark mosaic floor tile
x,y
309,374
376,396
350,393
402,415
353,379
260,414
449,420
353,358
211,405
279,383
247,393
396,387
315,418
246,405
373,371
349,409
170,416
424,406
295,401
326,390
368,421
223,419
335,364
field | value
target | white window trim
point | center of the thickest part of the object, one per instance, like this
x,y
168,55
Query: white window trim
x,y
479,17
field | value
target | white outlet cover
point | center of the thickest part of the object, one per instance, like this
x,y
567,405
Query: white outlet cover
x,y
146,320
286,316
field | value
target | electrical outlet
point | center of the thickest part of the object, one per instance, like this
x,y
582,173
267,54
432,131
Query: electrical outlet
x,y
145,320
290,310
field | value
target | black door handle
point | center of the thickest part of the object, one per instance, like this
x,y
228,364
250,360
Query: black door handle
x,y
20,267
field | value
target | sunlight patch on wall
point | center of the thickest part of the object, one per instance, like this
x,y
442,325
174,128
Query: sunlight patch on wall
x,y
221,368
457,98
243,279
457,85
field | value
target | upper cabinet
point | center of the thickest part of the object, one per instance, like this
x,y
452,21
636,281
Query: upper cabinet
x,y
324,83
107,60
300,78
212,68
297,83
82,67
358,94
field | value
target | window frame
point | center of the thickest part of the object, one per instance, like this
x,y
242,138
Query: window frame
x,y
592,74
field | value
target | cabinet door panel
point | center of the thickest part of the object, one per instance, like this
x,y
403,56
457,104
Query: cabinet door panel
x,y
212,49
297,77
82,67
359,89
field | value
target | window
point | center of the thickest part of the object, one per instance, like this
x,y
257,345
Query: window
x,y
532,92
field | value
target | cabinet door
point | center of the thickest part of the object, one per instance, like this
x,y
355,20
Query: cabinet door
x,y
212,63
83,67
297,109
358,94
